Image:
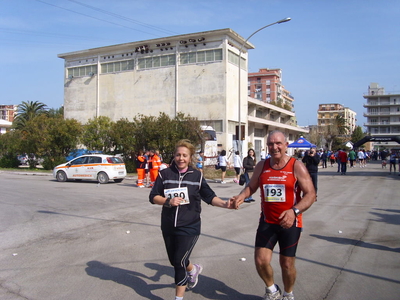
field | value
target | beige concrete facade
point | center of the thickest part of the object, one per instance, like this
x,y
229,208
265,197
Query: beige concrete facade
x,y
195,74
328,112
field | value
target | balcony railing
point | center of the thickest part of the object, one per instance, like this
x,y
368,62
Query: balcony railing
x,y
382,123
381,113
379,104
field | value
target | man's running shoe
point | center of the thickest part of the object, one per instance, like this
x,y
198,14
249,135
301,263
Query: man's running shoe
x,y
288,297
194,278
272,296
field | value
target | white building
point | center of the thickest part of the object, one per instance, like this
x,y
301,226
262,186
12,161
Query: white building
x,y
383,114
195,74
4,126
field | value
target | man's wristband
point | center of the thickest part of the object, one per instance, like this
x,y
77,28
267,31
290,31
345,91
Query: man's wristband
x,y
296,211
167,204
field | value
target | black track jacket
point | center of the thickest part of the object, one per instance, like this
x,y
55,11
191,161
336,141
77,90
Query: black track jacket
x,y
182,219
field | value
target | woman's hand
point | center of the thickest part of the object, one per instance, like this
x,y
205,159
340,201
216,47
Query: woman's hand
x,y
176,201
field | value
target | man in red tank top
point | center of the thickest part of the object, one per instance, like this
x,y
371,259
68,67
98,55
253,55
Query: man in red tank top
x,y
281,180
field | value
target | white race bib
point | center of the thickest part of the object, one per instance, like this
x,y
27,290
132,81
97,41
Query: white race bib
x,y
178,192
274,193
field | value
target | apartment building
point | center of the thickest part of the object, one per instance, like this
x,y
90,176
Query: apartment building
x,y
8,112
270,105
382,113
7,115
196,74
266,85
327,114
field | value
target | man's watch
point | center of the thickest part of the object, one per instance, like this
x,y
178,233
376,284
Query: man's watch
x,y
167,204
296,211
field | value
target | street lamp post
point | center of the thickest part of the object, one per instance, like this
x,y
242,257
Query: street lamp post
x,y
239,89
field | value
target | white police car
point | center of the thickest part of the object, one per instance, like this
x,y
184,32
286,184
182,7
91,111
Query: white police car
x,y
100,167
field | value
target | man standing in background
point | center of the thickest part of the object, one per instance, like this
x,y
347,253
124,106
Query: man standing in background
x,y
311,160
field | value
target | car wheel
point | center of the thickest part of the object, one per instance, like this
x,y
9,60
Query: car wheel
x,y
61,176
118,180
102,177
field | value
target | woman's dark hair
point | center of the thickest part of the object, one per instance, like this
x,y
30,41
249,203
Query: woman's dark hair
x,y
237,152
254,156
248,152
223,153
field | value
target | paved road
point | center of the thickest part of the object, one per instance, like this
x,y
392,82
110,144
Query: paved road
x,y
81,240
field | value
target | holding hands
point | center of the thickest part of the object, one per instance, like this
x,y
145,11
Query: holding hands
x,y
236,201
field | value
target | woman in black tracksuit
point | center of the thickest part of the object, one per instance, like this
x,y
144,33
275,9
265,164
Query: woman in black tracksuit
x,y
180,189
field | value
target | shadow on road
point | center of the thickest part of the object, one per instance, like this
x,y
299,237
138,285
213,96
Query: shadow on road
x,y
386,217
357,243
208,287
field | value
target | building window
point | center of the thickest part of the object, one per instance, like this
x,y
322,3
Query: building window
x,y
234,59
216,124
117,66
82,71
201,56
259,132
156,61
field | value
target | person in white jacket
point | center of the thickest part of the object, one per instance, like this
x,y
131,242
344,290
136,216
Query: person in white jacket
x,y
223,164
237,165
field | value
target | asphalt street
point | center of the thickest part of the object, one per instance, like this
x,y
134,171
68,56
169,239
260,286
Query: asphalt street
x,y
83,240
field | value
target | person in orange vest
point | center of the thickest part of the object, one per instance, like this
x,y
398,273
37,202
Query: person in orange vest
x,y
154,166
141,162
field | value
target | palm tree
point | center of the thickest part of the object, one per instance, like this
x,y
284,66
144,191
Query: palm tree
x,y
341,125
28,111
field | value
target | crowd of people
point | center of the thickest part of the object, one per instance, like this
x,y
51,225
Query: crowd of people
x,y
150,162
352,158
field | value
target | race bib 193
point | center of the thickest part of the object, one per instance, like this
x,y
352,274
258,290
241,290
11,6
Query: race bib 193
x,y
274,192
178,192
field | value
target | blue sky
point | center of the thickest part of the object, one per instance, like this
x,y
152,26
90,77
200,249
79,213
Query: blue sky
x,y
329,52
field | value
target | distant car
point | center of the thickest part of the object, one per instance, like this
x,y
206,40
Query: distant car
x,y
100,167
23,159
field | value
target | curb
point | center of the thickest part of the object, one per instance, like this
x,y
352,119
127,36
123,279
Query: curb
x,y
126,178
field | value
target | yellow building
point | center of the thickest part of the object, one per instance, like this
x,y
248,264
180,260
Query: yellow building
x,y
327,114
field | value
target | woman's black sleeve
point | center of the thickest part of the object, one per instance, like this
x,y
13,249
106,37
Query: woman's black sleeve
x,y
206,193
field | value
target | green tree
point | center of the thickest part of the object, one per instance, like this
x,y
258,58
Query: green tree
x,y
56,112
51,138
334,135
190,129
357,134
163,133
97,134
341,124
27,111
9,149
123,139
122,136
145,132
